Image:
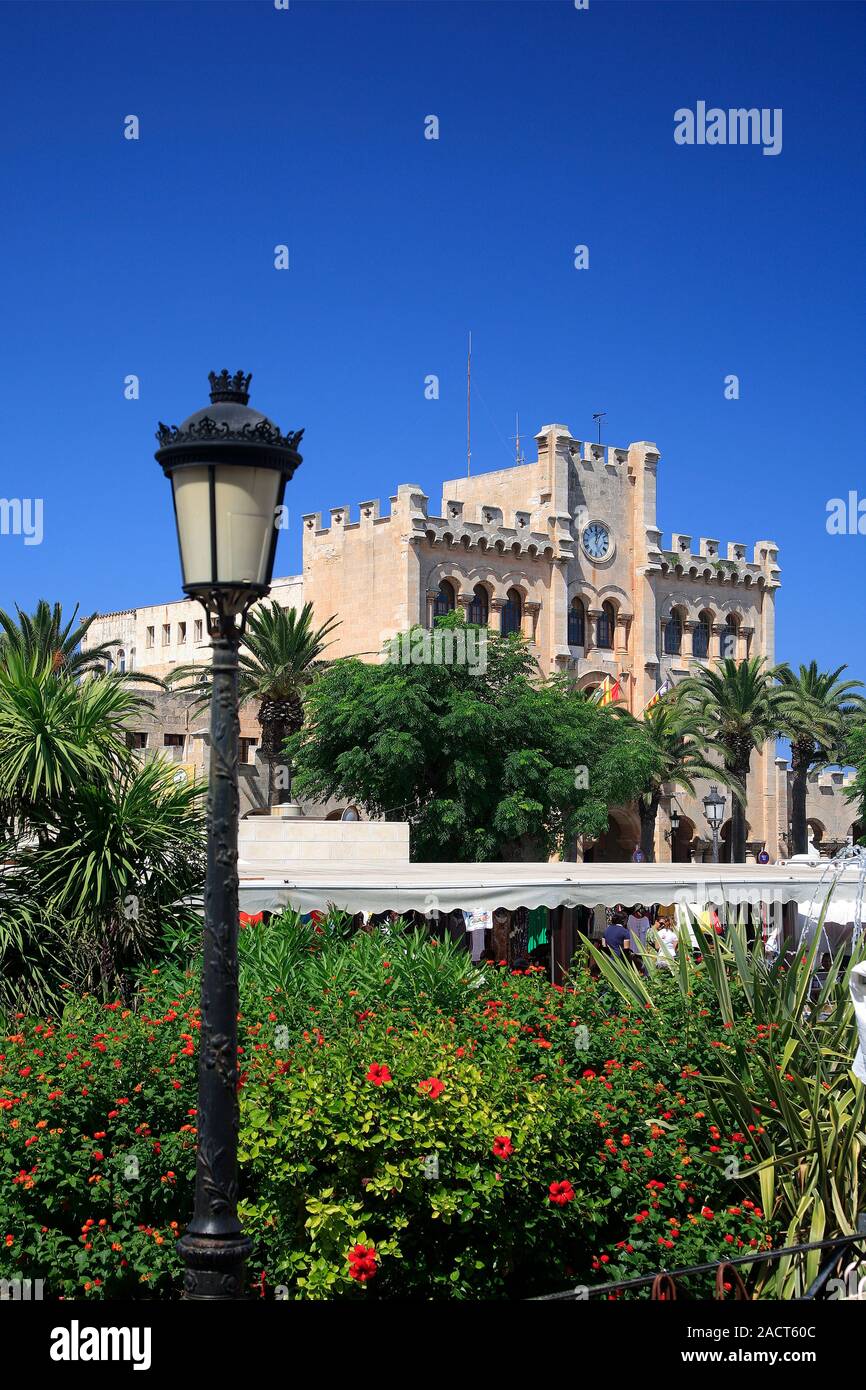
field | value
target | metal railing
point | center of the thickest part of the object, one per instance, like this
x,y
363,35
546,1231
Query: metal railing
x,y
842,1247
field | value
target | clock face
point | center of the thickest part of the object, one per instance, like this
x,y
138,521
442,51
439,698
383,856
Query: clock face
x,y
596,540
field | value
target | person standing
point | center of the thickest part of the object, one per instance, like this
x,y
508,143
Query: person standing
x,y
666,944
638,928
617,940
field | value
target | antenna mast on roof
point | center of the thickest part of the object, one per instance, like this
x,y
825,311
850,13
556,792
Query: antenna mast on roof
x,y
598,416
518,453
469,408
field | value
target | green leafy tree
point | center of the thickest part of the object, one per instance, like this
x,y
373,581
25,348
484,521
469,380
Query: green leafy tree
x,y
483,763
682,756
817,713
738,706
281,653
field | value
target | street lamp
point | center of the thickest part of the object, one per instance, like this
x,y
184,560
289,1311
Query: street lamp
x,y
228,466
714,809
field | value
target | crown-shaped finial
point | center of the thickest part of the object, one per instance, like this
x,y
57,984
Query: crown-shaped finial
x,y
229,388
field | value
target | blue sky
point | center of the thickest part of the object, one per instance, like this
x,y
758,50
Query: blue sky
x,y
261,126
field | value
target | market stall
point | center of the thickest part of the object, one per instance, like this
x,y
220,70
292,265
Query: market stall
x,y
785,898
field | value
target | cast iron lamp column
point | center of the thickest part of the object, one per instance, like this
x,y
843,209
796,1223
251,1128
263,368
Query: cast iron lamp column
x,y
228,466
714,809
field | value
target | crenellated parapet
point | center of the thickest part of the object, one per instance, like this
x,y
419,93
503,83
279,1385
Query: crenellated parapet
x,y
705,561
479,527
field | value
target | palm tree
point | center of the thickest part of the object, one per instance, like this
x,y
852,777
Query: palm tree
x,y
855,753
44,634
55,733
124,852
96,850
817,718
681,752
281,653
739,706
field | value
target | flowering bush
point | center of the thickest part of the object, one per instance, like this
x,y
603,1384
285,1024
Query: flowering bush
x,y
527,1139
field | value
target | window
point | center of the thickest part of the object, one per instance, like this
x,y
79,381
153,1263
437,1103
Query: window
x,y
728,640
479,608
173,740
701,637
166,634
445,599
673,635
181,632
197,629
132,659
136,739
121,661
247,749
605,626
577,623
512,613
150,638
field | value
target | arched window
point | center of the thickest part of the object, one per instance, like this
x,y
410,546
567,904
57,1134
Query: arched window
x,y
701,637
512,613
577,623
479,608
674,634
445,600
728,639
605,625
132,659
121,661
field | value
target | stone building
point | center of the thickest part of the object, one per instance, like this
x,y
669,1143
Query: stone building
x,y
565,549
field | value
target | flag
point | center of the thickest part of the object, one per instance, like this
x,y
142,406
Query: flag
x,y
659,695
610,691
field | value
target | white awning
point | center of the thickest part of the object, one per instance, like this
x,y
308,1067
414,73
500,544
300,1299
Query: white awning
x,y
442,887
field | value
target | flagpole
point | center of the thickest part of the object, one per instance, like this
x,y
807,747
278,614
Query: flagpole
x,y
469,408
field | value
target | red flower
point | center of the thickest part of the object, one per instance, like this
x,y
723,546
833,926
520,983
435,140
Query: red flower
x,y
706,1213
378,1073
432,1086
362,1263
502,1146
561,1193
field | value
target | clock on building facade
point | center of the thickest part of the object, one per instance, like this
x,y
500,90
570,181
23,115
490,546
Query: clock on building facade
x,y
596,540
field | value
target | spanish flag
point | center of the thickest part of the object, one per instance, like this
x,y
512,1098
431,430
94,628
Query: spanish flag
x,y
610,691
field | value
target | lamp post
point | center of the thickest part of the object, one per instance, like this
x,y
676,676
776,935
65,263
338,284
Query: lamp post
x,y
672,833
714,809
228,465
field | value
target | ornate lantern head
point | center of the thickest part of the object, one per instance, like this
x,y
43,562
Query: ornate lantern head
x,y
228,466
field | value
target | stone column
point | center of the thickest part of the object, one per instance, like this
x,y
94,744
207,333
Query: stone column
x,y
716,633
592,615
746,634
557,609
432,595
688,647
531,610
494,617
